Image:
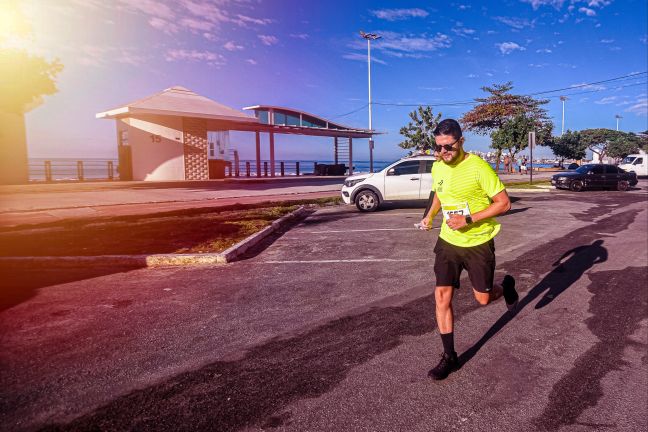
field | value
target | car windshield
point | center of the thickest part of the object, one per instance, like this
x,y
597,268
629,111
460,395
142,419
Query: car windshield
x,y
628,159
584,169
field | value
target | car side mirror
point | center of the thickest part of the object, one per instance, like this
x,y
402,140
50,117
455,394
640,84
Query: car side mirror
x,y
391,171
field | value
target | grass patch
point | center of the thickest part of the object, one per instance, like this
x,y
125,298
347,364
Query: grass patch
x,y
188,232
527,185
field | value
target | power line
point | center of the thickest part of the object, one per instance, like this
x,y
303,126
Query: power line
x,y
473,102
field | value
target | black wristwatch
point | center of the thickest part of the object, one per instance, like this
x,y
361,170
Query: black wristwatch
x,y
468,220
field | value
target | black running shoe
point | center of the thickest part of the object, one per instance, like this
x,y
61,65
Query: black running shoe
x,y
449,363
510,295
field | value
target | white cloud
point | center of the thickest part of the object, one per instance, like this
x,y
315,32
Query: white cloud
x,y
243,20
606,100
585,86
640,108
399,14
299,36
409,43
587,11
433,88
99,56
211,58
516,23
472,76
149,7
251,61
544,51
509,47
538,65
598,3
538,3
231,46
163,25
196,25
460,30
268,40
607,41
362,57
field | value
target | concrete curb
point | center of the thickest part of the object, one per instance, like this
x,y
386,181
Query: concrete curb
x,y
156,260
540,190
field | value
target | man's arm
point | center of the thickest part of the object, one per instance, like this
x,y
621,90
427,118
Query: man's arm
x,y
434,209
501,204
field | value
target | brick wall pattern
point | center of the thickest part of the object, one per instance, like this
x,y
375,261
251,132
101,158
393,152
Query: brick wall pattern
x,y
195,149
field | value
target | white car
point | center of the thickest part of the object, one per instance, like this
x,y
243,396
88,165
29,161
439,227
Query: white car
x,y
406,179
636,163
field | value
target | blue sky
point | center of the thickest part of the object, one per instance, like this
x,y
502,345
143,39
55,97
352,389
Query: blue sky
x,y
308,55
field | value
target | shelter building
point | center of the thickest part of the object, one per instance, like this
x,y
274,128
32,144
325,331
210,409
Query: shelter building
x,y
166,136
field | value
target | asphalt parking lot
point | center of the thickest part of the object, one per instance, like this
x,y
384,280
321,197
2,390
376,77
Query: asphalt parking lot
x,y
330,327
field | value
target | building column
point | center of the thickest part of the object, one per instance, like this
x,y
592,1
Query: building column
x,y
196,163
350,156
335,147
258,153
272,158
371,147
14,163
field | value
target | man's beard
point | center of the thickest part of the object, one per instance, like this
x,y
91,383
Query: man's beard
x,y
454,159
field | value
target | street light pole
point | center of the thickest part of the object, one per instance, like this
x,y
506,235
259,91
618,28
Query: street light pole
x,y
369,37
617,119
563,99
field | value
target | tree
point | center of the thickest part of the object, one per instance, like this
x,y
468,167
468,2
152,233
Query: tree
x,y
24,80
499,107
513,135
418,133
568,146
608,142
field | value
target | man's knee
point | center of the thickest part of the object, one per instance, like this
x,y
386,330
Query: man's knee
x,y
482,298
443,296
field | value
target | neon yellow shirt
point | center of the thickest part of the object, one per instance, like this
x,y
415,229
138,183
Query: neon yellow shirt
x,y
466,188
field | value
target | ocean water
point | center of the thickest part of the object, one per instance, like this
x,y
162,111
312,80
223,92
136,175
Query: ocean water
x,y
99,169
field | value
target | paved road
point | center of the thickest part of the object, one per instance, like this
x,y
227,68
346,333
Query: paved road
x,y
330,328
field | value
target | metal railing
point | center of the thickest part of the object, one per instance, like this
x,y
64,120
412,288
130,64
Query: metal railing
x,y
49,170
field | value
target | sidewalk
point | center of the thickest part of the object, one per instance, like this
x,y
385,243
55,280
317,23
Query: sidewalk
x,y
45,203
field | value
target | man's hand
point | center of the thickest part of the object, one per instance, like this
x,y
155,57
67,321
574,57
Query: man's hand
x,y
426,222
456,222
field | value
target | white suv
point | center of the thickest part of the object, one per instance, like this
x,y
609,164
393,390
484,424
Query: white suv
x,y
407,179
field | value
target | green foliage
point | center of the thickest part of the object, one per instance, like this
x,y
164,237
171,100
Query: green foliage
x,y
608,142
568,146
25,79
513,135
418,133
501,106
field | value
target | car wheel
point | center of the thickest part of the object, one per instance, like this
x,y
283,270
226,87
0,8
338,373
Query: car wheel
x,y
623,185
576,186
366,201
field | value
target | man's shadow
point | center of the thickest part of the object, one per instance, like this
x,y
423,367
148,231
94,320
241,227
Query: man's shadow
x,y
580,259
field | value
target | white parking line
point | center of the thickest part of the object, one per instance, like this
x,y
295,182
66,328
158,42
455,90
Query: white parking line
x,y
364,230
363,260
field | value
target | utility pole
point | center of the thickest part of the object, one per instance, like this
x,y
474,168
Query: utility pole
x,y
617,119
563,99
369,37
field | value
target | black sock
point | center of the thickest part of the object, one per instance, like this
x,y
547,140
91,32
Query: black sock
x,y
448,342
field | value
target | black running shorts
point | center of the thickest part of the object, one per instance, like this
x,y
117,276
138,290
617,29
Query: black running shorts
x,y
479,261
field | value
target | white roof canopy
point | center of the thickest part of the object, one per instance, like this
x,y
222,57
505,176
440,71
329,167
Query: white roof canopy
x,y
179,101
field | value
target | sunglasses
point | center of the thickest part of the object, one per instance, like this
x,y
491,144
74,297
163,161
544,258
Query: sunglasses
x,y
447,147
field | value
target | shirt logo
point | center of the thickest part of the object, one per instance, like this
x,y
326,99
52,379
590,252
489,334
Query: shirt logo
x,y
440,186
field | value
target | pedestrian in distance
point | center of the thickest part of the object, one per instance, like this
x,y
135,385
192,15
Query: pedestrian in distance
x,y
507,163
523,167
469,194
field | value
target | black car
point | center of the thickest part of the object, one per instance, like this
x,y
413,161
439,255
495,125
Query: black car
x,y
595,176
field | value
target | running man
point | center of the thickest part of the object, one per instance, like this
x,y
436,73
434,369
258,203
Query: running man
x,y
469,193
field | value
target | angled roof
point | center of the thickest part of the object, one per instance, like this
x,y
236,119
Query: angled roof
x,y
301,114
179,101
